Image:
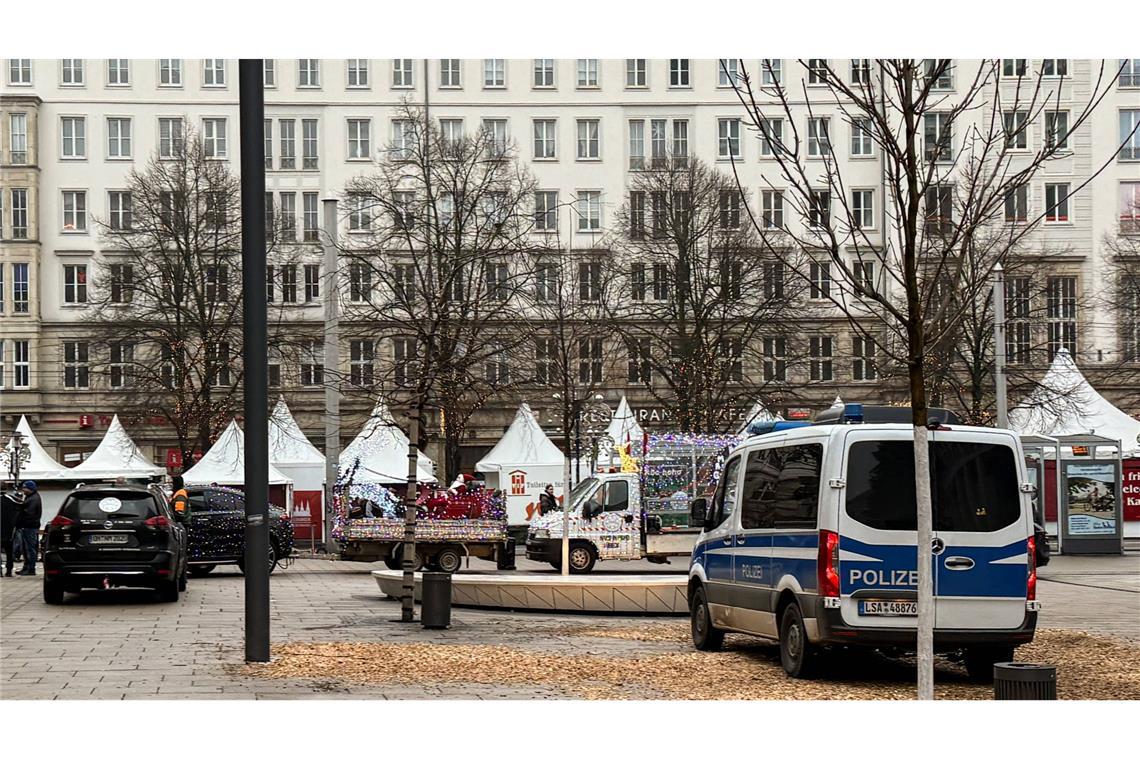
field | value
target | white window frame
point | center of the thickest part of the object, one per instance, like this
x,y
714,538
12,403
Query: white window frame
x,y
589,74
547,139
1065,203
588,201
402,142
1056,64
944,83
20,67
771,71
1130,150
212,141
175,142
817,72
171,68
1012,68
451,70
772,209
820,281
73,146
496,131
767,133
310,160
1015,193
1010,124
545,211
21,360
588,147
680,74
359,147
494,73
540,69
636,69
729,146
119,147
214,73
860,71
78,212
117,211
403,74
358,67
1129,73
861,138
80,367
119,69
729,78
76,293
269,74
287,142
819,139
308,73
864,218
73,68
18,144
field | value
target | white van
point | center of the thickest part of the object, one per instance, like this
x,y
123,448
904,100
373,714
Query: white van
x,y
810,539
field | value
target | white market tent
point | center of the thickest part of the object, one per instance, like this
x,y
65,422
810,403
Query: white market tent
x,y
40,465
623,426
292,453
224,463
758,413
382,451
116,456
1064,403
524,443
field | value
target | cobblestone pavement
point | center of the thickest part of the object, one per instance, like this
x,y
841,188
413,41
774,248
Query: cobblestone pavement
x,y
126,644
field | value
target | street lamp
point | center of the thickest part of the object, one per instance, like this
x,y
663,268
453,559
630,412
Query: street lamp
x,y
16,455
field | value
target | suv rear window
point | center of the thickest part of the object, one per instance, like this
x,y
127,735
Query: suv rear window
x,y
103,505
973,486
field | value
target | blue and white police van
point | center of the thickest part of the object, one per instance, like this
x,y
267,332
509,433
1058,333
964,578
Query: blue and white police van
x,y
810,540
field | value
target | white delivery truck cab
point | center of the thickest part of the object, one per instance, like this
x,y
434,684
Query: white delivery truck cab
x,y
608,520
810,540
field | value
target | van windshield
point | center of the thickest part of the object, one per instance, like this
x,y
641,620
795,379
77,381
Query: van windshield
x,y
579,492
104,505
973,485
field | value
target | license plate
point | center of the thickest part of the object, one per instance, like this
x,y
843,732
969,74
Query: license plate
x,y
110,538
888,607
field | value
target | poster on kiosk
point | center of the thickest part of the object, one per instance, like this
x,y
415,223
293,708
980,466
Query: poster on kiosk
x,y
522,464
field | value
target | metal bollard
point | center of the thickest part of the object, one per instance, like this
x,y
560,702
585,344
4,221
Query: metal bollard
x,y
436,595
1024,680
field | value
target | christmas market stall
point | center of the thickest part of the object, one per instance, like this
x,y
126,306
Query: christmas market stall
x,y
224,465
117,456
295,457
53,479
522,464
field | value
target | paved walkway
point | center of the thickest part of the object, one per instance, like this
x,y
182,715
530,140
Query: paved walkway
x,y
125,643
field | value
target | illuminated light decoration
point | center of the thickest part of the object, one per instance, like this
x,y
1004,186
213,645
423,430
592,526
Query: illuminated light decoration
x,y
629,463
668,466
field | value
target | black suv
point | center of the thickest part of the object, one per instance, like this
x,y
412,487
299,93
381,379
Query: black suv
x,y
118,535
217,530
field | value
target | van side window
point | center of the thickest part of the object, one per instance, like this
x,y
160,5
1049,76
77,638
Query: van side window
x,y
795,499
760,478
724,503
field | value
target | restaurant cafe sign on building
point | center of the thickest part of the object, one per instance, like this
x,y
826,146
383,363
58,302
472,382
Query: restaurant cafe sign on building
x,y
657,415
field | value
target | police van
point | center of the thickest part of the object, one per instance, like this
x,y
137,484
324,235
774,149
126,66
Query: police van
x,y
810,540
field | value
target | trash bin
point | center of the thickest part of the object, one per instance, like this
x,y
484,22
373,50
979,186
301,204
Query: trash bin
x,y
436,595
1024,680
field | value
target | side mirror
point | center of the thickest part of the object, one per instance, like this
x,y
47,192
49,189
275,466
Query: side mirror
x,y
699,513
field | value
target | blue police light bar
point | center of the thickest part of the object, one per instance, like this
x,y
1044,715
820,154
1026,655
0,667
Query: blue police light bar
x,y
760,427
852,413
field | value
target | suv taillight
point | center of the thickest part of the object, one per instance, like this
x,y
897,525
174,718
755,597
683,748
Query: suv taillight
x,y
158,522
1031,586
59,521
827,563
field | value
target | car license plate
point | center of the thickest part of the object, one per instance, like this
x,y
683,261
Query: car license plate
x,y
110,538
887,607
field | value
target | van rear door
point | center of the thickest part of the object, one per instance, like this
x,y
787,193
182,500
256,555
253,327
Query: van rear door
x,y
981,524
878,579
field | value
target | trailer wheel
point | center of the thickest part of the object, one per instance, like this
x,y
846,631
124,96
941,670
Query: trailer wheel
x,y
582,557
449,559
398,558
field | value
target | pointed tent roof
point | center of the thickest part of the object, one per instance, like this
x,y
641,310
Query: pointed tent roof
x,y
224,463
1064,403
623,426
117,455
382,449
758,413
288,445
523,443
41,465
837,402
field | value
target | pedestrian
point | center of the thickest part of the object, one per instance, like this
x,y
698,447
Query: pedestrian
x,y
9,506
28,526
180,500
546,501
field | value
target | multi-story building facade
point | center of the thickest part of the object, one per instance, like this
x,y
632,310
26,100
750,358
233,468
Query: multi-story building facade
x,y
73,129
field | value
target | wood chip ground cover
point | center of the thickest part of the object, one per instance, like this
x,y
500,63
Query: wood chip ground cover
x,y
1088,666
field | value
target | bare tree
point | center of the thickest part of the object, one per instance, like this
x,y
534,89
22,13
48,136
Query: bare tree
x,y
955,169
436,264
1121,297
696,302
166,298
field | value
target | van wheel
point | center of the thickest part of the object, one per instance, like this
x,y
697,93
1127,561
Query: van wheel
x,y
168,591
272,559
706,637
398,558
53,592
582,558
182,581
797,654
449,560
980,661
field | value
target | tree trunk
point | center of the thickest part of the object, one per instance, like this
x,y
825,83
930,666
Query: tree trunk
x,y
919,417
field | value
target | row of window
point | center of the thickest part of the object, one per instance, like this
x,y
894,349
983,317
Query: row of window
x,y
357,72
651,143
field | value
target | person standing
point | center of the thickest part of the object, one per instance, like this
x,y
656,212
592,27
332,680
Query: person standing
x,y
9,506
546,501
28,526
180,500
